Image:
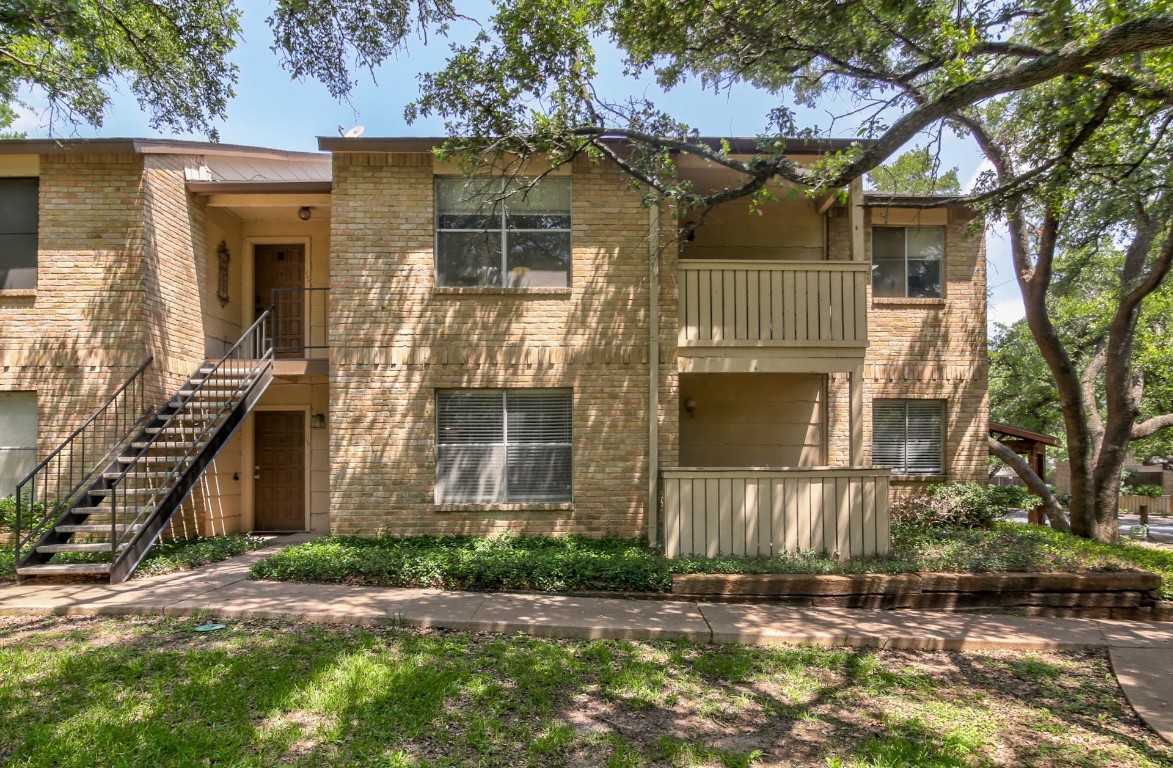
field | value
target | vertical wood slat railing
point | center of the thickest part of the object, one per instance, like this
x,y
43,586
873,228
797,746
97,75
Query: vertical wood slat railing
x,y
760,512
1156,505
773,303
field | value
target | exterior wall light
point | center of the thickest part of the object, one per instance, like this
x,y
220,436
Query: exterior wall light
x,y
690,406
318,421
305,212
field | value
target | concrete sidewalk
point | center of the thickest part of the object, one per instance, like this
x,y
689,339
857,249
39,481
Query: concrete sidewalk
x,y
1141,653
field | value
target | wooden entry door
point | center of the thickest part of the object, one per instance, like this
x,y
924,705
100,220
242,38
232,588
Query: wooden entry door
x,y
279,281
279,474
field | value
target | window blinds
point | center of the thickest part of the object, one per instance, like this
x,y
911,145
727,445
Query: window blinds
x,y
907,436
503,446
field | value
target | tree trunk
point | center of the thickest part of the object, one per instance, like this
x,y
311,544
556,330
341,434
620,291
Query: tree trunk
x,y
1034,483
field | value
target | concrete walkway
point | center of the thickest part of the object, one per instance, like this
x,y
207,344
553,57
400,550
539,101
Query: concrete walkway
x,y
1141,653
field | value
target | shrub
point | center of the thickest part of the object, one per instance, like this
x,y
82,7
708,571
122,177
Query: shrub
x,y
8,514
968,505
1152,491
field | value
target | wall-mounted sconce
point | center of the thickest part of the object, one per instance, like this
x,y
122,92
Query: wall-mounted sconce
x,y
318,421
305,212
690,230
690,406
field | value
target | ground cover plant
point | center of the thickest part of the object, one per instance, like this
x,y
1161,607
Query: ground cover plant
x,y
165,556
628,565
151,691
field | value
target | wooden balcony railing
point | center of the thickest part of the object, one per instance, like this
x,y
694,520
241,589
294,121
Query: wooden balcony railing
x,y
760,512
773,303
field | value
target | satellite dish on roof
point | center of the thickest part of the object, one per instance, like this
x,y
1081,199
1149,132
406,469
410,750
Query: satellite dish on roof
x,y
354,132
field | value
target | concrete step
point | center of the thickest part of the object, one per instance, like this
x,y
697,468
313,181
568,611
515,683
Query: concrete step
x,y
96,528
137,474
148,459
65,569
91,546
166,445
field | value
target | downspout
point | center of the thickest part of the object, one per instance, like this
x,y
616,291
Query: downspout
x,y
653,373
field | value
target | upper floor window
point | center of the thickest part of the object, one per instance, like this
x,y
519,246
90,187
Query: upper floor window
x,y
907,435
906,261
18,233
510,445
492,232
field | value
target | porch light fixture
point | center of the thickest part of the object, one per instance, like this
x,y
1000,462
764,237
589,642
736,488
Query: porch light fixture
x,y
690,406
305,212
318,421
225,258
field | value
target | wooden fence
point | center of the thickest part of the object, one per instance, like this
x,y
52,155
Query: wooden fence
x,y
773,303
759,512
1157,505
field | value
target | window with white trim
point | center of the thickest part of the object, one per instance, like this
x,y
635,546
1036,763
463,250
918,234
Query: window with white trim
x,y
496,233
906,261
511,445
18,233
18,438
908,435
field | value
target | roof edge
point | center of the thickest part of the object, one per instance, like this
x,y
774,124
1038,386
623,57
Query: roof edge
x,y
147,147
740,145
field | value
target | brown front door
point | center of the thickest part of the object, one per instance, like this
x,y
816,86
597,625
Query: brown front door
x,y
279,475
279,279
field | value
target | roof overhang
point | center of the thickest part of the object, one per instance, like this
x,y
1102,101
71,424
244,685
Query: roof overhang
x,y
740,145
260,187
997,428
145,147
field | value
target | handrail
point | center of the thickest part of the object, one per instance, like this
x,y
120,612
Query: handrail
x,y
65,459
246,370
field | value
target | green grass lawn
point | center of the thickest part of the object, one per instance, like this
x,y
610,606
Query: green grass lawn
x,y
574,563
152,692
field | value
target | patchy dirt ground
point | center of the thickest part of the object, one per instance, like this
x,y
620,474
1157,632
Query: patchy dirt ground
x,y
142,691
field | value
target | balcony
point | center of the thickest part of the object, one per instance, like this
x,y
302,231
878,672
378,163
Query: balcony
x,y
759,512
301,341
742,316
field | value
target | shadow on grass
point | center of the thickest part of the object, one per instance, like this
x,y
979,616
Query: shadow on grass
x,y
80,692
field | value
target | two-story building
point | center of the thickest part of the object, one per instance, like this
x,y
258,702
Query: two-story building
x,y
364,341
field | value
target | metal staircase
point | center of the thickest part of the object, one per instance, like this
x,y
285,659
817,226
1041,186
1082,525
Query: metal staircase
x,y
97,503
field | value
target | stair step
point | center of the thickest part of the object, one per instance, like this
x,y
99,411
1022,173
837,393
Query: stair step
x,y
149,459
212,405
93,546
90,511
64,569
95,528
166,445
104,492
136,474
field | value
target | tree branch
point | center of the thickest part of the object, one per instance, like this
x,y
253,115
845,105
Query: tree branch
x,y
1151,426
1034,483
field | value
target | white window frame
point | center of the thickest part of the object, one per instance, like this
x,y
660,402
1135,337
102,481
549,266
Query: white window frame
x,y
500,213
940,261
503,496
904,468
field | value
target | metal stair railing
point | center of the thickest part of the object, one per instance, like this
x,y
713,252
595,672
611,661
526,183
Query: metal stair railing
x,y
141,488
63,477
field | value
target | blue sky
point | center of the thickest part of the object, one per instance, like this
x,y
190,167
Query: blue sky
x,y
272,110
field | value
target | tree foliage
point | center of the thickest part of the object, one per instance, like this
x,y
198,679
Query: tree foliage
x,y
915,172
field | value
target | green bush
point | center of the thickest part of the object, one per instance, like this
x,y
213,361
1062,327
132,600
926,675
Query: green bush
x,y
8,514
467,562
1152,491
965,505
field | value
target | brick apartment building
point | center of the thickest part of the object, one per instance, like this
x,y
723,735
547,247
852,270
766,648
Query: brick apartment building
x,y
355,341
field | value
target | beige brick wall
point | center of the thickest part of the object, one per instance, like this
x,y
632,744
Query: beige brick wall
x,y
121,271
926,348
80,334
396,339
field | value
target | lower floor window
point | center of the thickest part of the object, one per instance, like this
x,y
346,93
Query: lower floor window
x,y
907,436
503,445
18,438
